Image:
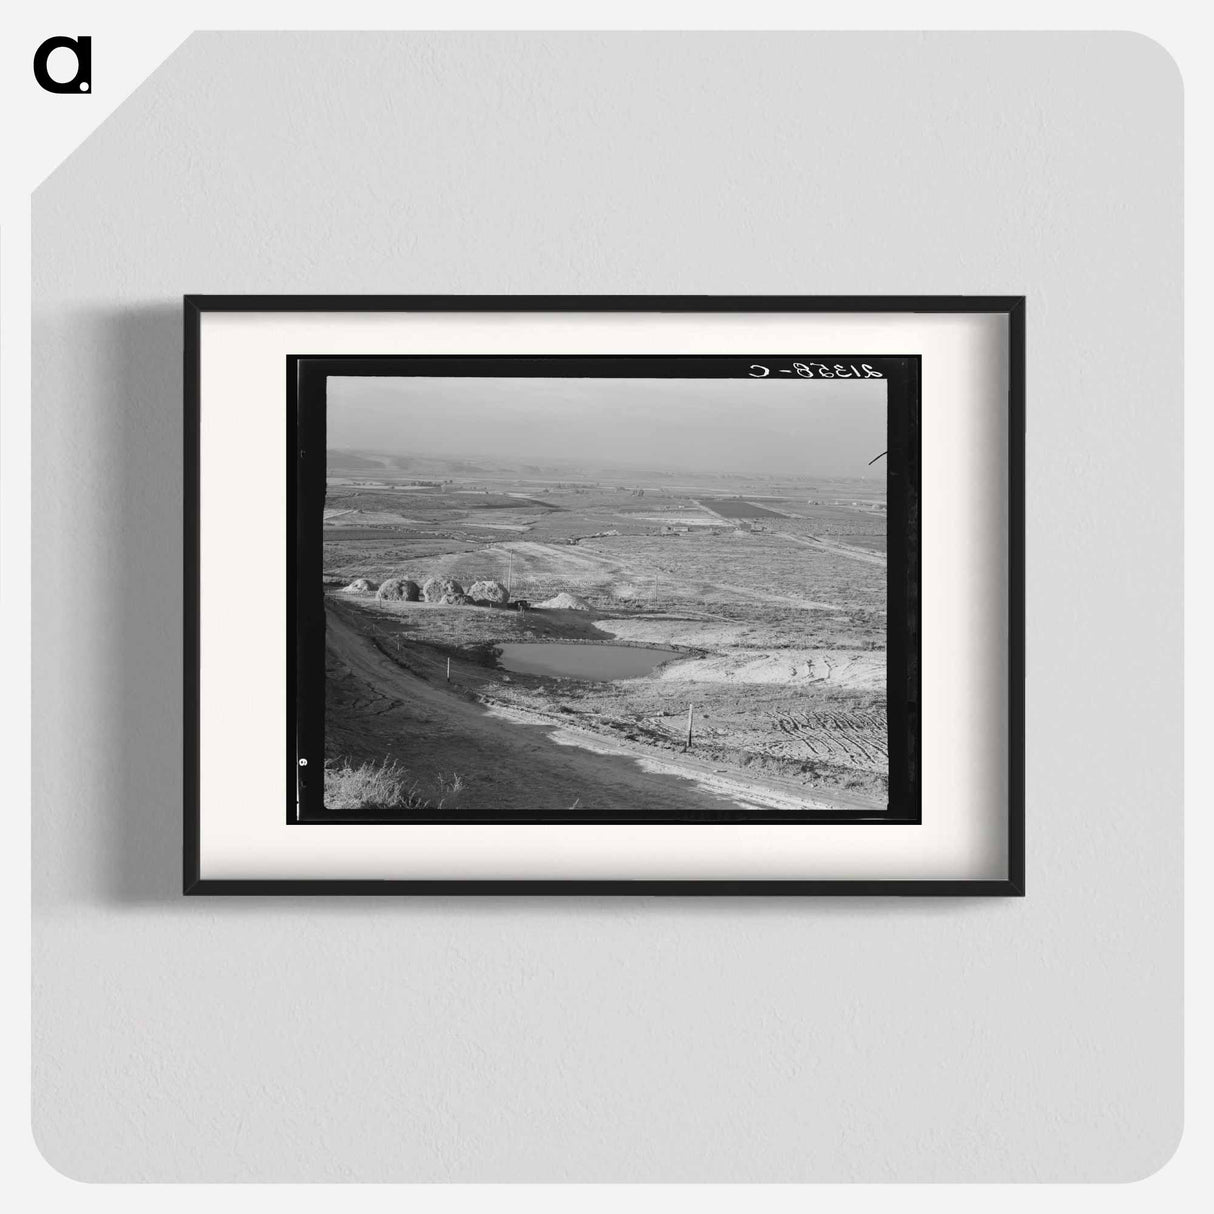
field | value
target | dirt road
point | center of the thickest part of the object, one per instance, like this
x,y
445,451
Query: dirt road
x,y
519,760
835,546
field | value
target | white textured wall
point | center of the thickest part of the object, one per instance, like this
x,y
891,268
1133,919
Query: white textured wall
x,y
625,1039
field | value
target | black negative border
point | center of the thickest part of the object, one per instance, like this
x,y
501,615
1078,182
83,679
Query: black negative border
x,y
307,377
1012,307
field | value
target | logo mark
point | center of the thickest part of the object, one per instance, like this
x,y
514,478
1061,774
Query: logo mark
x,y
82,81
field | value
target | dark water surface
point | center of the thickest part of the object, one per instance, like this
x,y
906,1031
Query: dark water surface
x,y
601,662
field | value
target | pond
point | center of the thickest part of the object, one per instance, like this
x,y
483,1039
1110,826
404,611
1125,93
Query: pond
x,y
602,662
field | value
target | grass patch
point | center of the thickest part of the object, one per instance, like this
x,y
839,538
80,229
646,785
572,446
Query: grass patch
x,y
386,785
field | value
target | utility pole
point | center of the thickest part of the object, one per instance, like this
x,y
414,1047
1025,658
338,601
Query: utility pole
x,y
509,574
689,726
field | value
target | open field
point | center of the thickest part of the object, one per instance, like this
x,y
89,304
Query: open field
x,y
773,594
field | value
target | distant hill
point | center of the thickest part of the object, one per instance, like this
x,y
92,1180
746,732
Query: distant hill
x,y
392,466
360,463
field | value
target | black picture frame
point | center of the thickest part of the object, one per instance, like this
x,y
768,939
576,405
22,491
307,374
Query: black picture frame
x,y
301,379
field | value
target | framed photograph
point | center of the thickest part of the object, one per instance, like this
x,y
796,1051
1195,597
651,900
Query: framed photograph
x,y
696,595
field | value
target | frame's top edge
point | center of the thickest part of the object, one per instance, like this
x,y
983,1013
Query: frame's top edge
x,y
604,303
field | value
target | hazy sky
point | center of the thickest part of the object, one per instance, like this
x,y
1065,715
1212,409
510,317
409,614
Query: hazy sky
x,y
782,426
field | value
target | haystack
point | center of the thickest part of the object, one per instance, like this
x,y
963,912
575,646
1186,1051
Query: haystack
x,y
398,589
360,585
565,602
493,593
436,589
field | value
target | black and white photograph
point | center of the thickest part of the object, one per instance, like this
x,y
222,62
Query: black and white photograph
x,y
622,594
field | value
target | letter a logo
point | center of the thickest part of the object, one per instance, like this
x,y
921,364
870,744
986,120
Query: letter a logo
x,y
82,81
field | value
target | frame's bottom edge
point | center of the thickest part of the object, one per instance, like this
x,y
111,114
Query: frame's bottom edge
x,y
1006,888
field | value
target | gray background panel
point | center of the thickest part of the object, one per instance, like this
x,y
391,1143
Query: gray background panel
x,y
626,1039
